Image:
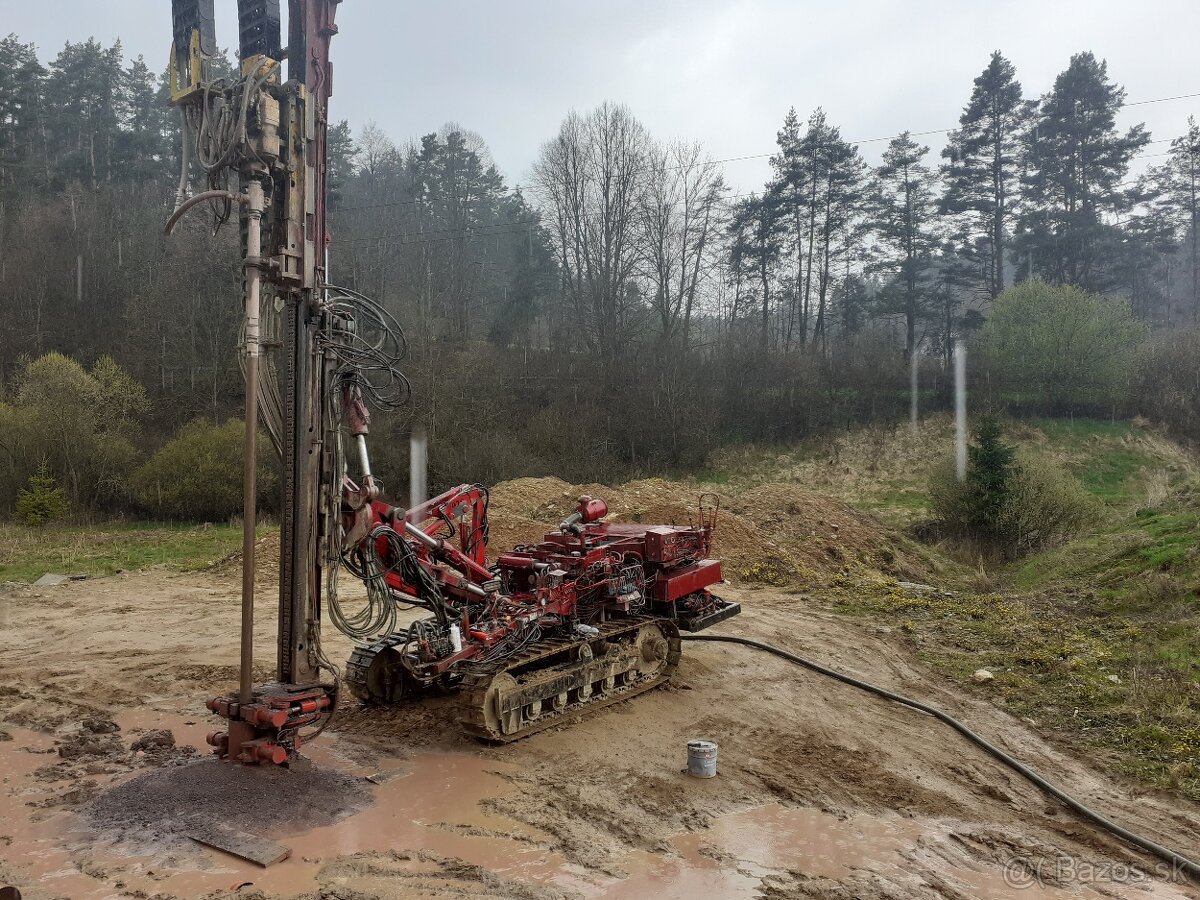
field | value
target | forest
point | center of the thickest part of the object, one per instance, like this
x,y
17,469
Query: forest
x,y
621,310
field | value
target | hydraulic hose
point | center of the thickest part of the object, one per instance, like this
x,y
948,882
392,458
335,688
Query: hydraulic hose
x,y
232,196
1177,860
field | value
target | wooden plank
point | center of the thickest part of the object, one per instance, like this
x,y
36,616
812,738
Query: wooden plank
x,y
385,777
239,843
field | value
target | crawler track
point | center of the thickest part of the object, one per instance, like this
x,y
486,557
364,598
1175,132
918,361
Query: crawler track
x,y
374,672
556,678
539,686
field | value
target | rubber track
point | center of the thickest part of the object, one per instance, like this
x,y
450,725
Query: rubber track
x,y
473,692
360,662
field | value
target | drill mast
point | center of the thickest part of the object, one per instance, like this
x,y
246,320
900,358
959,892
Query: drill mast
x,y
270,134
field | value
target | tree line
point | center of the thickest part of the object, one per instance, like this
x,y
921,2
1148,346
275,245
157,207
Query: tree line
x,y
623,310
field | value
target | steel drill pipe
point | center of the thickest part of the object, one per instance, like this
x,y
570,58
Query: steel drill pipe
x,y
254,204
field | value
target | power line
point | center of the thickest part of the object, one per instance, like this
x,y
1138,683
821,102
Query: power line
x,y
751,156
498,229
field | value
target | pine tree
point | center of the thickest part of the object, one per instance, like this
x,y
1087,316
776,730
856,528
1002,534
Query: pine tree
x,y
905,219
793,185
43,500
819,184
83,97
147,131
22,85
982,172
1073,187
342,152
461,193
842,198
991,468
757,229
1176,184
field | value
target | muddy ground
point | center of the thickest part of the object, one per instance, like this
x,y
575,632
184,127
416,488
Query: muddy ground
x,y
823,791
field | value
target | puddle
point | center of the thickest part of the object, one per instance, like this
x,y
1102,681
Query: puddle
x,y
431,802
737,850
427,802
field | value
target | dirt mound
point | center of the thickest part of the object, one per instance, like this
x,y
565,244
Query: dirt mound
x,y
524,497
775,534
266,560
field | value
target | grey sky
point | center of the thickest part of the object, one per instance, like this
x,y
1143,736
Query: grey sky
x,y
720,71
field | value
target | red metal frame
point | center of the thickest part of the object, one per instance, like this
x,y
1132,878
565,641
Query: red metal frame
x,y
582,571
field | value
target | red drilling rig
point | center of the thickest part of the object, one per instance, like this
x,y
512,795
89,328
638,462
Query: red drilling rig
x,y
587,616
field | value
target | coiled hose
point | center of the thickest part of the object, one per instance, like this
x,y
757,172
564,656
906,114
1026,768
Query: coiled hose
x,y
1177,860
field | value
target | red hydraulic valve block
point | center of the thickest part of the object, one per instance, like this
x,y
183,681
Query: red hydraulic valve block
x,y
267,729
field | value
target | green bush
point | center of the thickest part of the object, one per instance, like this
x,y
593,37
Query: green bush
x,y
1059,348
1166,384
1045,506
43,501
81,424
1009,503
197,475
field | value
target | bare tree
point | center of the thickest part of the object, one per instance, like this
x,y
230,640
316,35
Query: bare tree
x,y
677,220
591,180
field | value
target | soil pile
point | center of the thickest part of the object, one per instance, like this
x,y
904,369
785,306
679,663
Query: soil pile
x,y
266,560
775,534
97,747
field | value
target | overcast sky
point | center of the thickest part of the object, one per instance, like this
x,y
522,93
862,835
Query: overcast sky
x,y
720,71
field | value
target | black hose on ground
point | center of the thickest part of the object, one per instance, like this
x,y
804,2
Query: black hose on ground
x,y
1177,860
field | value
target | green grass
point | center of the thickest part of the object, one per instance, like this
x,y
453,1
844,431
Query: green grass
x,y
1079,430
885,469
1098,678
1097,641
28,553
1112,460
1141,557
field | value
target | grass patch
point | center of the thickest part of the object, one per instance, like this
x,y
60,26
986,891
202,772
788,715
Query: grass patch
x,y
28,553
1100,643
885,469
1124,682
1139,561
1098,640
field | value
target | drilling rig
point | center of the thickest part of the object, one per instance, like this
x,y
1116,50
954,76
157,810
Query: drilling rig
x,y
586,617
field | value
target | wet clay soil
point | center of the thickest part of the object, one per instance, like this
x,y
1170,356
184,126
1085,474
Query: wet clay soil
x,y
822,792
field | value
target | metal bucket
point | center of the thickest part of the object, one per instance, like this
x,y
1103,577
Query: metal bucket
x,y
702,759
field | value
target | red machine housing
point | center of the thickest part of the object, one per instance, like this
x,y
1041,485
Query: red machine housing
x,y
580,574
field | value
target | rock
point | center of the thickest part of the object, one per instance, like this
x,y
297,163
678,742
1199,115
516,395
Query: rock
x,y
51,579
156,739
5,736
99,726
915,588
983,676
89,745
